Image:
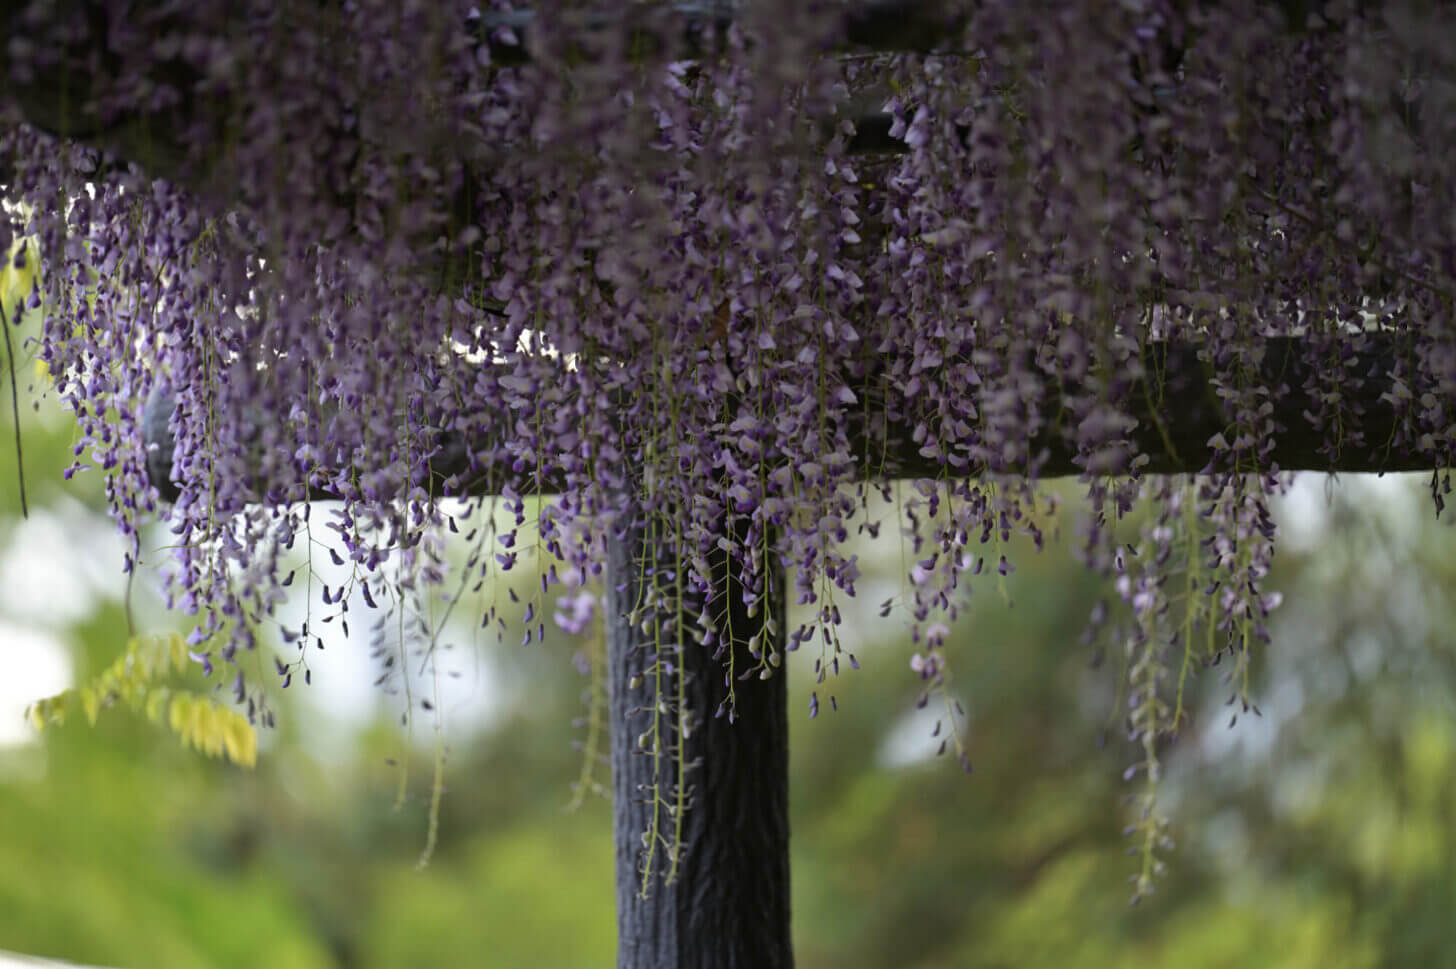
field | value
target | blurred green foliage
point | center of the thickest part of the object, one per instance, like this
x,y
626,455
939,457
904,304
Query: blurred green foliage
x,y
1320,834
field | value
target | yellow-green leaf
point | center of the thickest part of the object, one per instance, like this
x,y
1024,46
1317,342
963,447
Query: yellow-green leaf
x,y
91,703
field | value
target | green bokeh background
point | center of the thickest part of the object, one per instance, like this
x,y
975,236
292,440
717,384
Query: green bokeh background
x,y
1318,835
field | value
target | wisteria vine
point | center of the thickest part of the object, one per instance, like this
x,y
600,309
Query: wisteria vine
x,y
358,254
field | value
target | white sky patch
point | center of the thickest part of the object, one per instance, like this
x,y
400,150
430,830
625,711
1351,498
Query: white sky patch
x,y
36,665
1303,512
343,696
912,740
1252,738
57,563
526,343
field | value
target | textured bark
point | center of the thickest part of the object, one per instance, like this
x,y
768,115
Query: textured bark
x,y
728,905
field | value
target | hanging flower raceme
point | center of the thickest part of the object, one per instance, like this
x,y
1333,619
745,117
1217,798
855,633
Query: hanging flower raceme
x,y
362,253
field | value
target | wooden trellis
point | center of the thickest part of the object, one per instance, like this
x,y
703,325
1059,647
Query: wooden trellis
x,y
728,907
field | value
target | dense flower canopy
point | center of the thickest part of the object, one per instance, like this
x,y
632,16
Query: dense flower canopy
x,y
395,253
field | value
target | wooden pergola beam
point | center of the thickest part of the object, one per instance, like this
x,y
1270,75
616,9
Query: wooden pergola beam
x,y
729,908
696,30
1178,406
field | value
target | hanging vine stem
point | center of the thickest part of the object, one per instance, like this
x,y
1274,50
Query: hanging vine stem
x,y
15,412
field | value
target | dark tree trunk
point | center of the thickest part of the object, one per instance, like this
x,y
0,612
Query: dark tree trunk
x,y
728,905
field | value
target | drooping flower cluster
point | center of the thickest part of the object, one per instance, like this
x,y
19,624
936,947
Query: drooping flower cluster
x,y
371,251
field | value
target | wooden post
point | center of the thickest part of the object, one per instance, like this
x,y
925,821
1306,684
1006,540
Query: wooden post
x,y
728,904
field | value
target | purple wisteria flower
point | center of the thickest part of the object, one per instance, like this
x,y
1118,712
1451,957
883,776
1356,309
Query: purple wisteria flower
x,y
353,251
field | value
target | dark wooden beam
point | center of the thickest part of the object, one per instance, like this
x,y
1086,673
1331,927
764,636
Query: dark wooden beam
x,y
62,96
1180,409
1177,405
696,30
